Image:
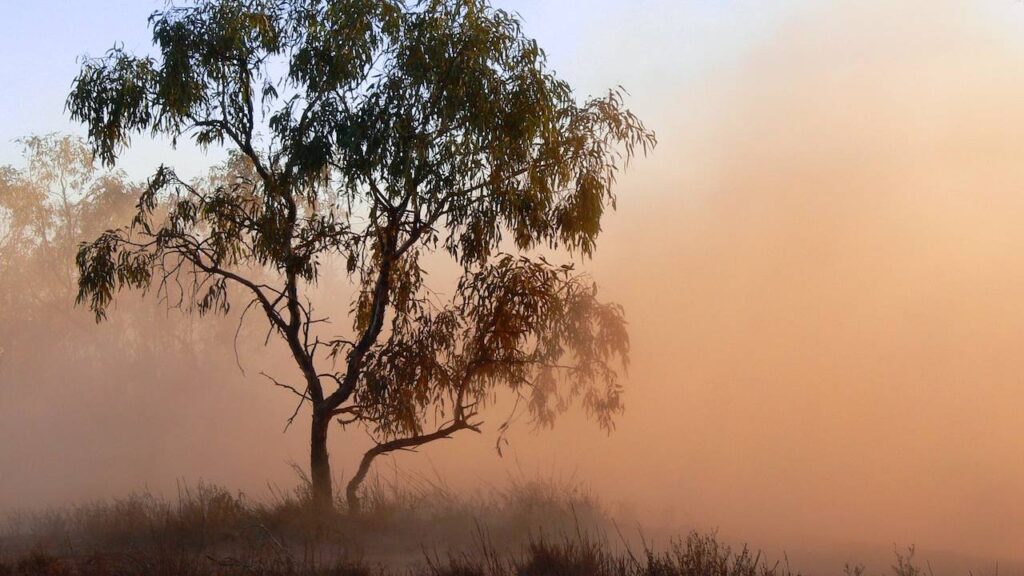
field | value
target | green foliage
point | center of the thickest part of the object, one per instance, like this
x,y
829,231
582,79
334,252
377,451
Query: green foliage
x,y
374,132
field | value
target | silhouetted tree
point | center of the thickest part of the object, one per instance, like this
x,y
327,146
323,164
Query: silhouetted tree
x,y
378,131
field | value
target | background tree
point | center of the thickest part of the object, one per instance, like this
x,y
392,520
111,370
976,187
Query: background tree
x,y
375,133
47,207
69,389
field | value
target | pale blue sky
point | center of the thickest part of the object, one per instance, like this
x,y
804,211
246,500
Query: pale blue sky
x,y
595,43
657,49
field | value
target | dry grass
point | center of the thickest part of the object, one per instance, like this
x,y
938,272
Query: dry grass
x,y
696,555
207,529
416,529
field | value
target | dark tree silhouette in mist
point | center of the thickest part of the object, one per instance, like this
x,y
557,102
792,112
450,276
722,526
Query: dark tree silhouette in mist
x,y
373,133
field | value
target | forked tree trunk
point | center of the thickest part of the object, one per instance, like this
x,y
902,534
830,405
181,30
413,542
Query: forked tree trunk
x,y
320,464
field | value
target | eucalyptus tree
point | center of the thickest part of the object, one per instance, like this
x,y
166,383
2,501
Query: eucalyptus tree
x,y
374,133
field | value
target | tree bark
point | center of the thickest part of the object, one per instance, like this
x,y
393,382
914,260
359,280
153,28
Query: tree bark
x,y
320,463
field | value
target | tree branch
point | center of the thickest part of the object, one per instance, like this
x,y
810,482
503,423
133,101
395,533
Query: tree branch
x,y
407,443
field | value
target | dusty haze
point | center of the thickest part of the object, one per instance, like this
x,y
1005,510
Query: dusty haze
x,y
823,268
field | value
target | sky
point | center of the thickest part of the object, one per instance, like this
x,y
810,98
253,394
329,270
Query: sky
x,y
51,36
822,265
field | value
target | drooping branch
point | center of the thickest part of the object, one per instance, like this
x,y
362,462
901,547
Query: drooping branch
x,y
408,443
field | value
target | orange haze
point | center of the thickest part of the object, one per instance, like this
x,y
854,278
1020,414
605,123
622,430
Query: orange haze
x,y
823,267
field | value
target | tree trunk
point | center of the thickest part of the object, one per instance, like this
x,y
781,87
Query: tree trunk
x,y
320,463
